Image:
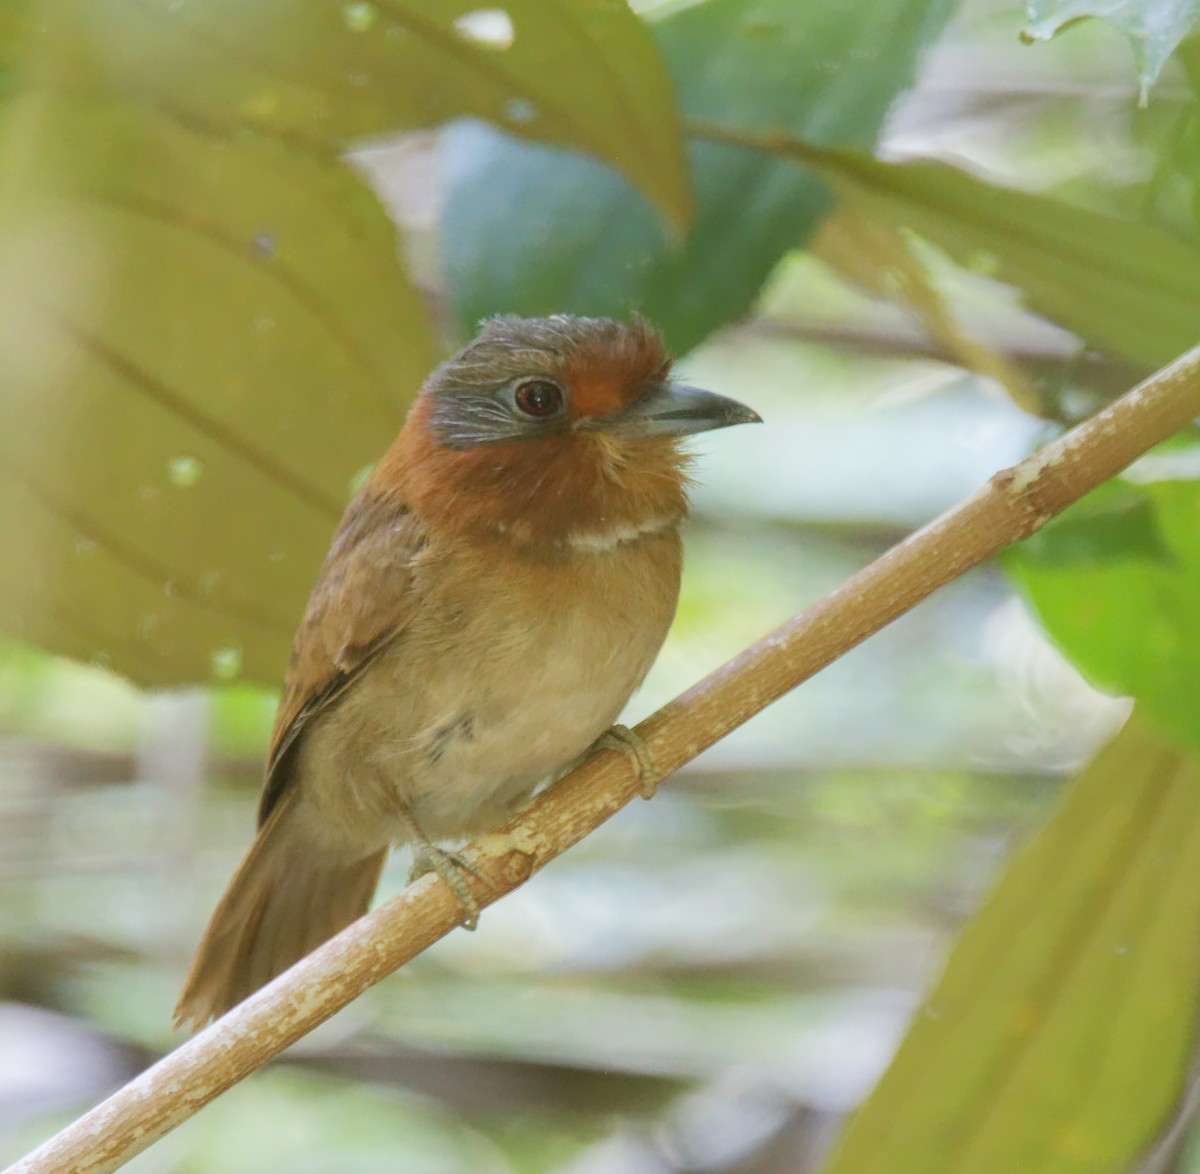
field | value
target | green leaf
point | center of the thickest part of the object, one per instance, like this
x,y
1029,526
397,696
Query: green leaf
x,y
1115,522
571,72
581,241
1126,610
202,338
1126,288
1059,1035
882,260
1154,27
204,332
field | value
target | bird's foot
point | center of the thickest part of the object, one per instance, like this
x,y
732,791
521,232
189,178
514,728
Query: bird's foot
x,y
450,866
625,741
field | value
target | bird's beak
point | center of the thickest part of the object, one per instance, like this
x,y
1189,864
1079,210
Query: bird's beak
x,y
674,409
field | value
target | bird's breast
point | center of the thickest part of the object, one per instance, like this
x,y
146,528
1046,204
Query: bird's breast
x,y
509,671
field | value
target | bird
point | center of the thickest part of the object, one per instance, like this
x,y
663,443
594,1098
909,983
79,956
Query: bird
x,y
493,596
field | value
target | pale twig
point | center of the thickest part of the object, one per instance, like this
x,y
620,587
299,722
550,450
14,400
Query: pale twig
x,y
1013,504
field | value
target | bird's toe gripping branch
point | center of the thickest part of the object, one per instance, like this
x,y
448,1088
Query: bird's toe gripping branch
x,y
625,741
450,866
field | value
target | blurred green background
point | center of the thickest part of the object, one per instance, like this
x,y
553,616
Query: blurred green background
x,y
231,244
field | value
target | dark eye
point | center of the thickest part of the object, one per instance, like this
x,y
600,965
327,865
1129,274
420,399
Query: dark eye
x,y
539,397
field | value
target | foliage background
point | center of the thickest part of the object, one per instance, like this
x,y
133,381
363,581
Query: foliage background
x,y
206,338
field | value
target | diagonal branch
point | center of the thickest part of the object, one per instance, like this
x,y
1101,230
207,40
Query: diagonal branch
x,y
1013,504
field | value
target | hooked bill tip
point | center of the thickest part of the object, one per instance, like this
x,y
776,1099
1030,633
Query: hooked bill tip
x,y
674,409
745,415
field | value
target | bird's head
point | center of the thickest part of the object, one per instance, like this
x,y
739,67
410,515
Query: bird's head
x,y
555,432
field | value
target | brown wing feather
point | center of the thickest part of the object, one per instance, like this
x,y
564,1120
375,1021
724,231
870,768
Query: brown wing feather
x,y
362,601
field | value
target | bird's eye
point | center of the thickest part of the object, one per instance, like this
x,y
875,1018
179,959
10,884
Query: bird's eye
x,y
539,398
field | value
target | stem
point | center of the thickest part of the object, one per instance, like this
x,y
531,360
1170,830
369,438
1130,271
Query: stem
x,y
1013,504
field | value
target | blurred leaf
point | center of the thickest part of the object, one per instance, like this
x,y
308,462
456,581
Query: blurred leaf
x,y
570,72
1121,596
1126,288
880,259
1154,27
585,243
1059,1034
202,337
1116,521
205,329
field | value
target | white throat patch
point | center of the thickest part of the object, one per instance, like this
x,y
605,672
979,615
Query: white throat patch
x,y
598,541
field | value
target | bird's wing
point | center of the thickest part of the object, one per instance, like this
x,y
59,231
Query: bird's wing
x,y
363,599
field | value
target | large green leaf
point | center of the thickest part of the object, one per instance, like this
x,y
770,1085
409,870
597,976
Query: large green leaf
x,y
201,339
571,72
1125,287
531,230
1057,1038
204,328
1119,591
1154,27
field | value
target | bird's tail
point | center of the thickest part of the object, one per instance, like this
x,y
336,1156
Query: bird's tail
x,y
291,893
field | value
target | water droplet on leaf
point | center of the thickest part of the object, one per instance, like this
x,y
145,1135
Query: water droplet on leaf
x,y
226,663
520,110
492,27
184,472
359,16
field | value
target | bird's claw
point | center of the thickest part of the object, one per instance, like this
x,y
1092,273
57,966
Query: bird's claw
x,y
450,866
625,741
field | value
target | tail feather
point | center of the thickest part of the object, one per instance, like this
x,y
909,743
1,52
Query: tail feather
x,y
287,897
